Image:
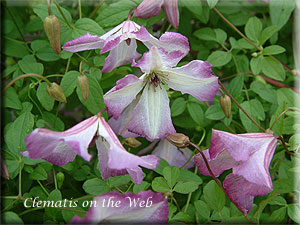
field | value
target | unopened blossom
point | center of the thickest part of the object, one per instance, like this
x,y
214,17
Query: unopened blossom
x,y
249,155
173,155
120,41
150,8
60,148
145,100
113,207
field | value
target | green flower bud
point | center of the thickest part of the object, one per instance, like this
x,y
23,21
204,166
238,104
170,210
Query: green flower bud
x,y
83,84
132,142
226,105
56,92
178,139
52,29
60,177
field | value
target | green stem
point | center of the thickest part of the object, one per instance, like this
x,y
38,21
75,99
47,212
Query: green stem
x,y
24,76
238,104
278,117
85,61
62,14
59,104
129,187
30,210
36,105
68,65
55,75
190,195
175,201
54,177
79,8
43,187
10,197
49,7
20,183
9,205
96,8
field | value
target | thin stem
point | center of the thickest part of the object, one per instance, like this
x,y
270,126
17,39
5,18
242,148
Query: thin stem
x,y
129,187
49,7
278,117
20,183
79,8
130,12
214,177
10,204
286,148
43,187
55,75
54,177
190,194
176,203
238,104
24,76
30,210
68,65
222,92
10,197
85,61
62,14
59,104
96,8
36,105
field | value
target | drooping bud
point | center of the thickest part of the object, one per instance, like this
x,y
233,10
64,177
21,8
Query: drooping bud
x,y
60,177
132,142
56,92
178,139
83,84
226,105
52,29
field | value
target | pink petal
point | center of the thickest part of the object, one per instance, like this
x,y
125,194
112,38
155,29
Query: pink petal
x,y
173,155
61,147
194,78
223,162
85,42
148,8
122,94
150,208
120,55
171,11
152,118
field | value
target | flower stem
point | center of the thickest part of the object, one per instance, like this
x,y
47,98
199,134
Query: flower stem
x,y
43,187
213,176
49,7
190,194
20,183
286,148
79,8
62,14
54,177
24,76
238,104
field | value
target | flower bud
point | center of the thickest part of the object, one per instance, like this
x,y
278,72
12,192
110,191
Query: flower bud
x,y
254,54
178,139
52,29
56,92
269,131
132,142
60,177
83,83
226,105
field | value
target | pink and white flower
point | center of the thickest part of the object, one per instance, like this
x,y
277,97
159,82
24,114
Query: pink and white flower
x,y
249,155
150,8
60,148
146,97
113,207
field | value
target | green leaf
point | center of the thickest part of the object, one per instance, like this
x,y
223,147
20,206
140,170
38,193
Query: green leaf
x,y
44,98
54,122
258,109
256,64
11,218
196,112
221,35
42,11
273,50
194,6
44,51
214,112
236,85
264,91
266,34
273,69
95,186
206,34
214,196
95,101
15,48
202,209
277,216
280,12
39,173
119,180
115,13
31,67
253,28
219,58
159,184
171,175
294,212
262,205
182,217
17,132
86,25
69,82
278,201
247,123
178,106
212,3
142,187
56,201
185,187
286,96
11,99
186,175
283,185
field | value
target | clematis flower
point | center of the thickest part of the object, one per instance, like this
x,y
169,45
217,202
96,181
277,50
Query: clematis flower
x,y
150,8
60,148
249,155
173,155
120,41
147,98
113,207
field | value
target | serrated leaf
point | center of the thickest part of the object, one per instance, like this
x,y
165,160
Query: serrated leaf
x,y
273,69
185,187
159,184
95,186
219,58
44,98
